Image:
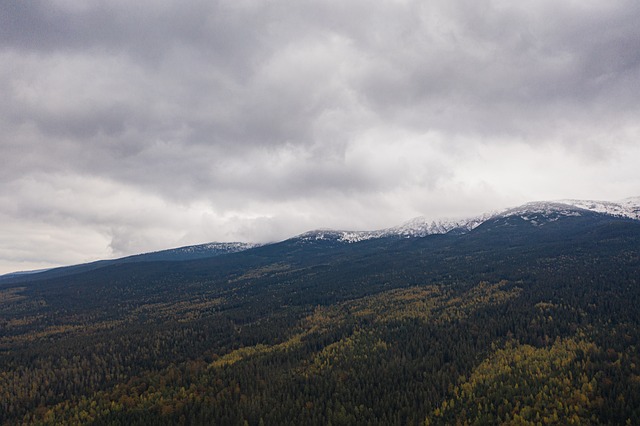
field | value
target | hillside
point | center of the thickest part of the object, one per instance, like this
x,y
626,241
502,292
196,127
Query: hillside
x,y
529,316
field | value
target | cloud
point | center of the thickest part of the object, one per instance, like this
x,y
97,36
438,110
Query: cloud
x,y
137,126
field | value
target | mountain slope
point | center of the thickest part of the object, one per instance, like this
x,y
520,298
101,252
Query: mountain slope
x,y
386,330
199,251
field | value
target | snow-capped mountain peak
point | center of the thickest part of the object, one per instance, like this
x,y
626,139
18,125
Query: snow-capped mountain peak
x,y
539,212
536,213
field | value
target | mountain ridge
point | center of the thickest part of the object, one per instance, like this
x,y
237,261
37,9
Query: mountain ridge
x,y
535,212
191,252
421,226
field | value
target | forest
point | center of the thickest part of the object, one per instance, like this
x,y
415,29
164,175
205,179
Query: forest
x,y
514,324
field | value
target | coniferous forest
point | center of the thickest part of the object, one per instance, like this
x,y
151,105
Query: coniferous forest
x,y
510,323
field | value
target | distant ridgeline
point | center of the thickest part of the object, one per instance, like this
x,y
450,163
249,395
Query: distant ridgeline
x,y
526,316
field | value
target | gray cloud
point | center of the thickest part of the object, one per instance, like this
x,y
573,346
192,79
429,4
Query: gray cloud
x,y
136,126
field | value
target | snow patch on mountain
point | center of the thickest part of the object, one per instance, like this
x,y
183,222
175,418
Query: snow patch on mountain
x,y
417,227
540,212
541,207
421,226
552,210
221,247
629,207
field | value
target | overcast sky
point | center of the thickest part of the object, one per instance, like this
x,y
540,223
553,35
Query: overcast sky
x,y
131,126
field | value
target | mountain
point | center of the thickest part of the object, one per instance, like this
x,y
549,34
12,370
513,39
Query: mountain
x,y
536,212
524,316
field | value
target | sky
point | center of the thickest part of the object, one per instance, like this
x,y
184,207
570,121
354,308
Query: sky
x,y
133,126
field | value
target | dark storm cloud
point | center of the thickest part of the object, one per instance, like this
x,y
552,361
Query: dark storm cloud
x,y
251,112
458,66
143,29
514,69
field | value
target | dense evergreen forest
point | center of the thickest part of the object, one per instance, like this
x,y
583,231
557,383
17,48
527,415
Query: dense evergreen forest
x,y
511,323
